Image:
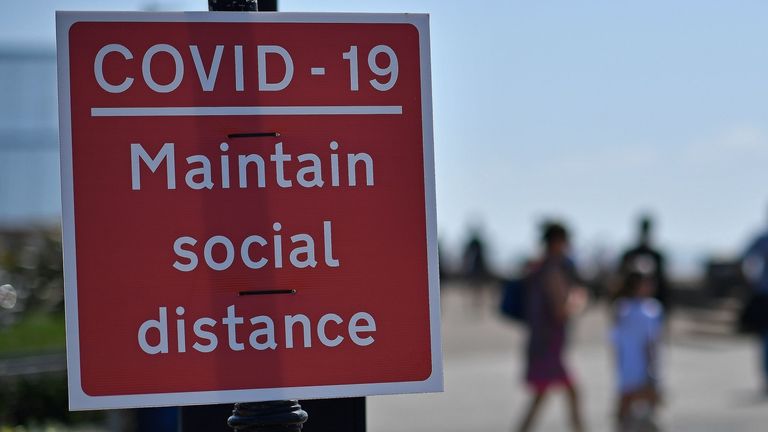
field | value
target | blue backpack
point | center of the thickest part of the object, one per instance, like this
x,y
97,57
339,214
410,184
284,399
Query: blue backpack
x,y
513,299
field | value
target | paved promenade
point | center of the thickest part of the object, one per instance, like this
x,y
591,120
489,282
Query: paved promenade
x,y
710,378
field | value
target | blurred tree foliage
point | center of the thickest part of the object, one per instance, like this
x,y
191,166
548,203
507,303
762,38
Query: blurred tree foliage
x,y
36,399
32,321
31,264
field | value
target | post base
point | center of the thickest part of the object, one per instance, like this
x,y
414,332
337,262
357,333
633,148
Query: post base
x,y
272,416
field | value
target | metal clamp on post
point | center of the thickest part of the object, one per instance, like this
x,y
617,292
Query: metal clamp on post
x,y
233,5
268,416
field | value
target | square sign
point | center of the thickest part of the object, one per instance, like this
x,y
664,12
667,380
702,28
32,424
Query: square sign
x,y
249,207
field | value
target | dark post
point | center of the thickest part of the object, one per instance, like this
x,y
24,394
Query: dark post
x,y
233,5
339,415
271,416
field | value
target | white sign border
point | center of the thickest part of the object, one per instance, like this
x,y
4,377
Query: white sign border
x,y
78,399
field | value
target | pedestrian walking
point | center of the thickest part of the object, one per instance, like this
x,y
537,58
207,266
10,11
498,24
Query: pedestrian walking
x,y
756,312
646,258
552,297
636,334
475,269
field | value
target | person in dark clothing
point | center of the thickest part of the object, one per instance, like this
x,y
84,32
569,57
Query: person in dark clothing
x,y
474,265
646,259
757,255
475,269
553,297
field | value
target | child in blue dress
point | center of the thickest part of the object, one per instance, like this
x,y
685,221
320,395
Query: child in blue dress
x,y
636,336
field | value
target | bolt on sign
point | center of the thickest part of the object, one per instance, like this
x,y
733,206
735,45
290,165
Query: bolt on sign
x,y
248,207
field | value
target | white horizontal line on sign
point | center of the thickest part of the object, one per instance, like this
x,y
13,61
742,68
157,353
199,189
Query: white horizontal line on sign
x,y
317,71
247,111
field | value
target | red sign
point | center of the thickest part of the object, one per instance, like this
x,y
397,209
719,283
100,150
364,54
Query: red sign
x,y
249,207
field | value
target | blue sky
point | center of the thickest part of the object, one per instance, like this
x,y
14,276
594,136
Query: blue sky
x,y
591,111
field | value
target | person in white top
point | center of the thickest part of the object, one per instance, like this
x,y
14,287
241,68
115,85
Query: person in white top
x,y
635,335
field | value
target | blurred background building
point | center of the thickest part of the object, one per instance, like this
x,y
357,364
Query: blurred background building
x,y
29,142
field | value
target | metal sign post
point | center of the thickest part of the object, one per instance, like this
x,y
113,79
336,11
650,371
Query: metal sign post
x,y
284,415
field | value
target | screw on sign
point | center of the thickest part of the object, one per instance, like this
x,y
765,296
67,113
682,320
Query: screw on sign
x,y
247,192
